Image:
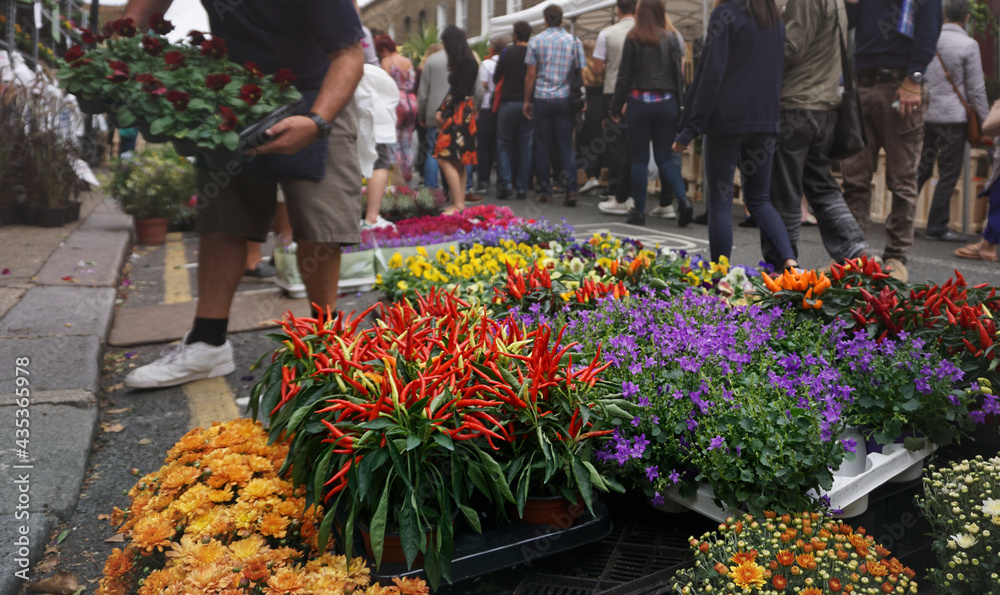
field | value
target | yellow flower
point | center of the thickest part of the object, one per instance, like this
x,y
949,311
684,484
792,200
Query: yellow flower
x,y
402,286
748,575
244,549
396,261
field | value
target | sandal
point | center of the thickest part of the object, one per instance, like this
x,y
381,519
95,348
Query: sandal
x,y
974,252
452,210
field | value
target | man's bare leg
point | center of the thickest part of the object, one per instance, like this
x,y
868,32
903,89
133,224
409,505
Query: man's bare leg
x,y
319,264
220,267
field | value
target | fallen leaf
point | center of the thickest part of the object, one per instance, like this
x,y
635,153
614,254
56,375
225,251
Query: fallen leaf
x,y
117,411
116,538
69,324
5,272
104,517
69,278
114,429
62,536
144,442
62,583
93,580
48,565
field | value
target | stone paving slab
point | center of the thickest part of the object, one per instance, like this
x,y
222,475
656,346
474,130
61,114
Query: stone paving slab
x,y
38,527
54,363
106,216
9,296
46,311
86,259
60,433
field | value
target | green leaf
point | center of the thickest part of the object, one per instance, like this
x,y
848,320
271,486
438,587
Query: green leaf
x,y
126,119
522,489
62,536
913,443
366,470
444,440
377,424
397,462
582,477
471,517
377,531
911,405
497,475
160,125
595,476
199,104
324,531
409,529
412,442
231,140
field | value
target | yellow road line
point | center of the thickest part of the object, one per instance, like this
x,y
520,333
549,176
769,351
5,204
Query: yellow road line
x,y
210,400
176,284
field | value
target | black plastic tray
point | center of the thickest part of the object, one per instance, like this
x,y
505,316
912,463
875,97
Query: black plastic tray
x,y
477,554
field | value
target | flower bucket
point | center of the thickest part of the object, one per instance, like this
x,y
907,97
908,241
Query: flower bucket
x,y
357,265
556,512
151,231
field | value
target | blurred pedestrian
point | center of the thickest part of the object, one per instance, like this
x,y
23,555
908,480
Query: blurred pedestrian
x,y
514,129
400,68
649,79
734,101
586,142
456,117
433,87
957,68
486,121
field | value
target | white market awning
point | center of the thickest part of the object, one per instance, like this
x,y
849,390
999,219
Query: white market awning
x,y
586,18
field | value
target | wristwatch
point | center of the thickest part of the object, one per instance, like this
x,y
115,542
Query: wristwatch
x,y
323,127
917,77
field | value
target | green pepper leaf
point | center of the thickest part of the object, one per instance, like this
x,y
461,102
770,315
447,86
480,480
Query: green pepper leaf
x,y
377,531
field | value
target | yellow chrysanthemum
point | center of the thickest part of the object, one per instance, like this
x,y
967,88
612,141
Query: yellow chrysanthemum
x,y
245,549
748,575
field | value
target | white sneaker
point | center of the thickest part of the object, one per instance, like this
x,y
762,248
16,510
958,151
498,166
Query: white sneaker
x,y
666,212
184,363
589,185
613,207
286,267
379,223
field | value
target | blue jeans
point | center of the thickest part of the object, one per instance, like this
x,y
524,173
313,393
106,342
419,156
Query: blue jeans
x,y
754,153
514,134
992,231
657,122
554,120
431,164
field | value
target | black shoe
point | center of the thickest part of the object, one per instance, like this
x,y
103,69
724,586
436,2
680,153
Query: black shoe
x,y
748,222
700,219
503,194
684,211
948,236
522,196
636,218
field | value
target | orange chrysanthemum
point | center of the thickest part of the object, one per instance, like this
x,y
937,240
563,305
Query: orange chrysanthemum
x,y
835,585
741,557
256,571
806,561
748,575
877,569
779,582
785,558
118,564
274,525
811,591
285,582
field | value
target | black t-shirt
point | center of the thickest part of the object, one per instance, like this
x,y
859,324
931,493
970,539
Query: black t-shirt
x,y
295,34
512,69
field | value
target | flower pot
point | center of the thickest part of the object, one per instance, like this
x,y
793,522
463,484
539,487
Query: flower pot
x,y
555,511
151,231
392,548
72,211
27,214
221,161
149,136
91,106
9,215
911,473
52,216
857,466
185,148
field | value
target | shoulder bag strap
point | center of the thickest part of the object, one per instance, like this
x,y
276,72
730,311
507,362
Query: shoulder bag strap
x,y
953,85
845,63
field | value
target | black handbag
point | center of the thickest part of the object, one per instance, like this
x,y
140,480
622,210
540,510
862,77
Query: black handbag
x,y
849,136
577,97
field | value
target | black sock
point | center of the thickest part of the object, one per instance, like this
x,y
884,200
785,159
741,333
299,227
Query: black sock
x,y
208,330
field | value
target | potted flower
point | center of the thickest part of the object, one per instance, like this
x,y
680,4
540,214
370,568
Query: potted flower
x,y
962,503
189,93
803,553
152,186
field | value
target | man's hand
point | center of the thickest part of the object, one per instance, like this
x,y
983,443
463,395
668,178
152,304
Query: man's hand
x,y
439,119
678,148
289,136
527,110
908,96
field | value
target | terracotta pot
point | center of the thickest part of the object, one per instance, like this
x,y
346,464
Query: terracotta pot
x,y
556,511
151,231
392,548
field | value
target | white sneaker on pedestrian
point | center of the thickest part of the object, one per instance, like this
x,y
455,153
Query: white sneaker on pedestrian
x,y
286,271
379,223
613,207
184,363
666,212
589,185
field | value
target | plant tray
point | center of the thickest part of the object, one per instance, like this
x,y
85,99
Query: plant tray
x,y
516,543
880,469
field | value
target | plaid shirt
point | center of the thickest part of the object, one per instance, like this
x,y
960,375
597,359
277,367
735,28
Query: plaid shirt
x,y
553,52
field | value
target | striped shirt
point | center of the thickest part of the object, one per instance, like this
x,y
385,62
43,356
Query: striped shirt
x,y
553,52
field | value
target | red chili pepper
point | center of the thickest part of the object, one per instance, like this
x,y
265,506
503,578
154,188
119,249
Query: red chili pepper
x,y
984,338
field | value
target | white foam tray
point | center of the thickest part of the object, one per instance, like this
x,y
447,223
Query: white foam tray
x,y
880,468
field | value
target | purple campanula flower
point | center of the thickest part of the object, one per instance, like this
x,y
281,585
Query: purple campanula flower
x,y
674,477
716,443
850,445
978,416
636,421
657,499
652,473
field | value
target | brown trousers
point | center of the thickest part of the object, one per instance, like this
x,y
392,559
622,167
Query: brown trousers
x,y
902,139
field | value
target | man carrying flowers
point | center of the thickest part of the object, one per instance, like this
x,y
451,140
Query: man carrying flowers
x,y
315,44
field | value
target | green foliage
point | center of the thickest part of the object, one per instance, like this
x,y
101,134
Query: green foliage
x,y
982,21
416,46
155,182
992,89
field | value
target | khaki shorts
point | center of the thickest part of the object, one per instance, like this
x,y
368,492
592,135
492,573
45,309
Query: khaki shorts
x,y
326,211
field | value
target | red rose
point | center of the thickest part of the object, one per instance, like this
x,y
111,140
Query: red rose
x,y
87,36
174,60
124,27
217,82
159,24
152,45
251,94
178,99
215,48
151,84
284,78
73,54
254,69
228,118
196,37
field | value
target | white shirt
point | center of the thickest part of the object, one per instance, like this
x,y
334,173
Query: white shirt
x,y
486,70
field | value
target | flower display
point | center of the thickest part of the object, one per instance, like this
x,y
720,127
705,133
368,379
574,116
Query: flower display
x,y
179,90
962,503
803,553
434,408
218,517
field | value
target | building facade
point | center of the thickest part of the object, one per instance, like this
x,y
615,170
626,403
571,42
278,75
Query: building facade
x,y
403,18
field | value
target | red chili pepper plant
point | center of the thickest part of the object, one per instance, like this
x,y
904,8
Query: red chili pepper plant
x,y
404,424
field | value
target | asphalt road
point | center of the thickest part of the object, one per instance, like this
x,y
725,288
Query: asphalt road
x,y
138,427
